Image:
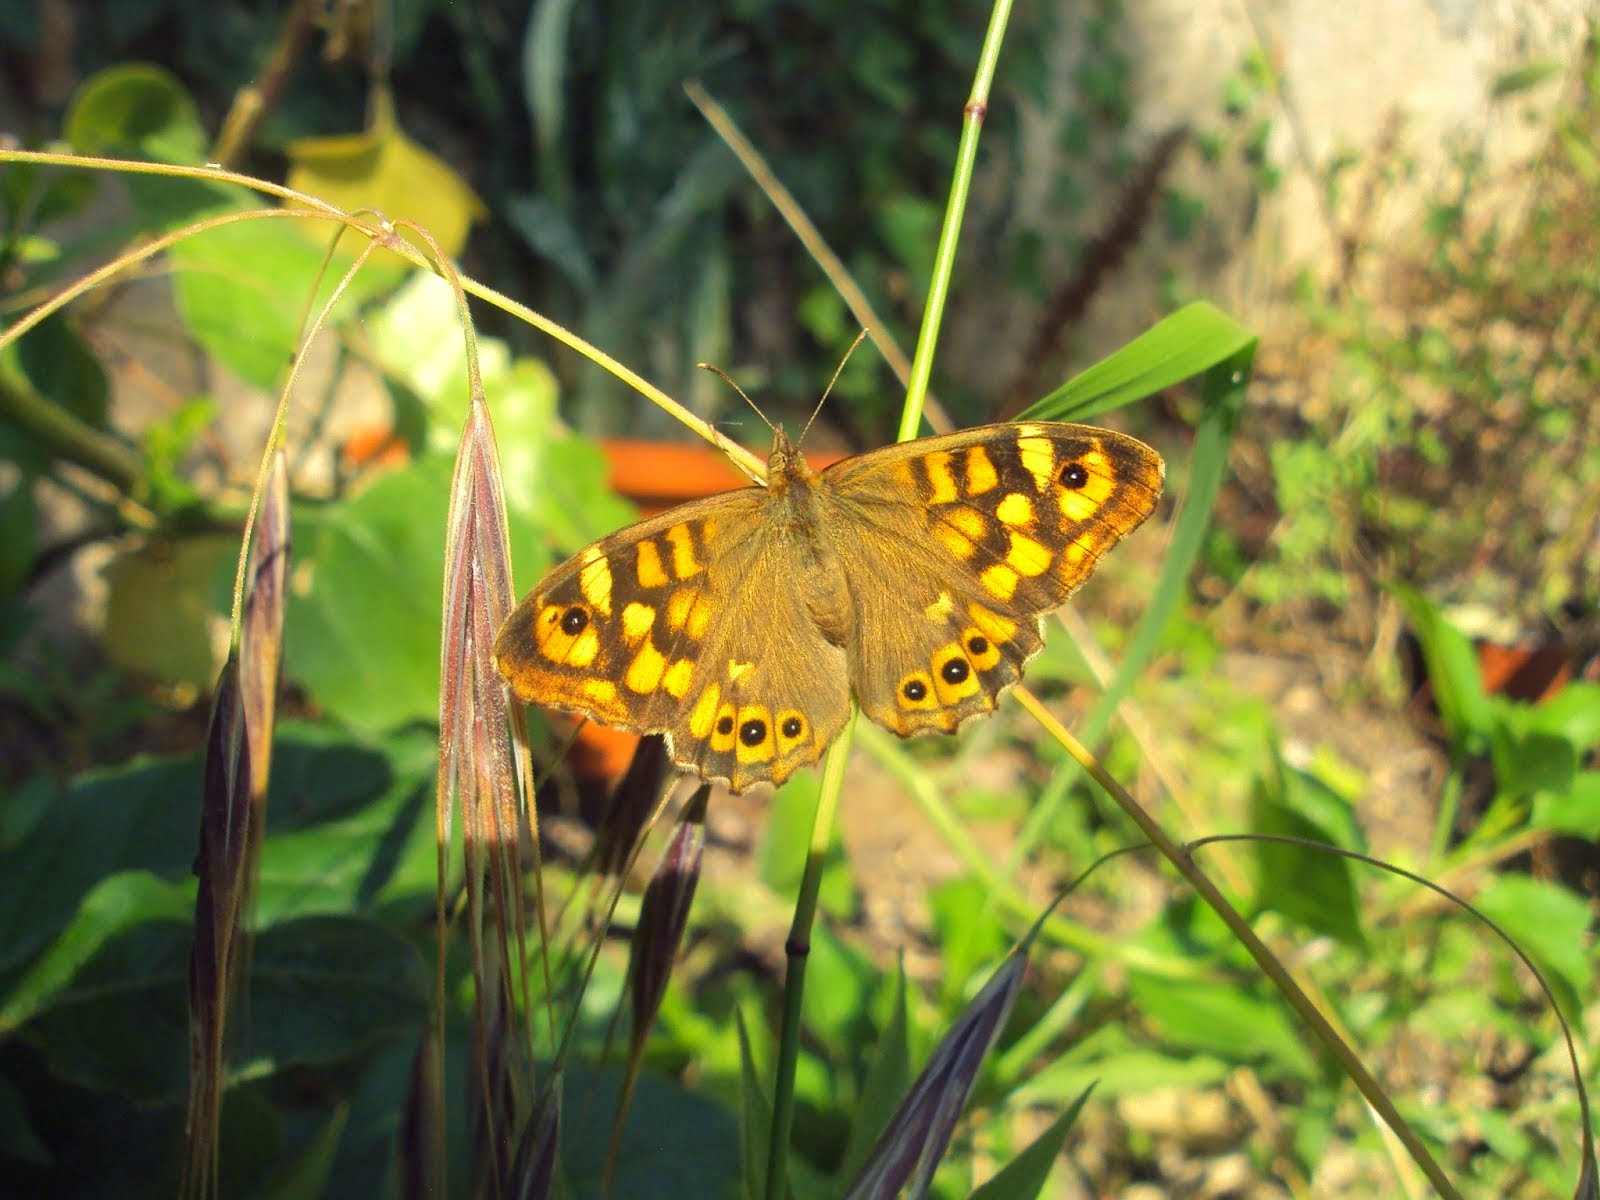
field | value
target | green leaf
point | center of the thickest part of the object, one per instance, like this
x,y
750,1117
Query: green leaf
x,y
320,989
323,987
1237,1023
365,621
970,937
1575,811
1551,924
161,608
244,290
1452,666
136,109
112,907
140,111
888,1078
1313,887
143,817
1192,340
61,368
1025,1176
675,1145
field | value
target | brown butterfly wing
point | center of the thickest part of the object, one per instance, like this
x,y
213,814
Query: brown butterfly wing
x,y
958,545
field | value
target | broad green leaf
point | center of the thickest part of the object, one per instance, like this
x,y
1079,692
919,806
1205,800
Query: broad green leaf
x,y
364,617
113,906
245,289
139,109
675,1145
1551,924
62,369
1313,887
320,989
143,817
1575,811
1241,1023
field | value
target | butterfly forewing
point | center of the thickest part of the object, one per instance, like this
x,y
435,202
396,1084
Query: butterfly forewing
x,y
1009,520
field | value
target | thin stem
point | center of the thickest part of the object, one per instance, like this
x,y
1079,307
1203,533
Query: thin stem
x,y
944,257
798,950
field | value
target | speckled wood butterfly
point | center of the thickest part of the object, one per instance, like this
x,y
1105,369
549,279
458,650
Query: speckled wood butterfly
x,y
914,577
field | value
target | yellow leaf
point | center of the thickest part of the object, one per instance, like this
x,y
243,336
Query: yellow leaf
x,y
384,170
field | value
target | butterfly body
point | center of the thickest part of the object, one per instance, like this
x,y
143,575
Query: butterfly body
x,y
914,578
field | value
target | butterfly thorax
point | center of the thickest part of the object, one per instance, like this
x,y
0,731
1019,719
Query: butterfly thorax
x,y
799,531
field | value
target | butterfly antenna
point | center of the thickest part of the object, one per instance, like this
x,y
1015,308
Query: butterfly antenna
x,y
728,379
838,371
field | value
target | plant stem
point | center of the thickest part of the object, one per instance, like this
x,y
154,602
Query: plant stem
x,y
944,257
797,950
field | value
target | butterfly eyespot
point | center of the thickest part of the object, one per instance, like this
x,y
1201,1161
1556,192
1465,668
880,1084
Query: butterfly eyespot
x,y
753,733
915,690
1073,476
792,727
725,726
978,645
573,621
955,670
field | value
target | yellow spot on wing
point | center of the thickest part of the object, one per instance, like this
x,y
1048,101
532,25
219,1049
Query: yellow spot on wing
x,y
941,482
636,621
1038,458
644,672
993,626
1015,510
704,714
1027,557
738,670
647,565
677,678
684,563
594,579
602,693
1000,581
981,475
941,608
968,520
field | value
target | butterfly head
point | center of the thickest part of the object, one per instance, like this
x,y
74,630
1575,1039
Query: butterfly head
x,y
786,464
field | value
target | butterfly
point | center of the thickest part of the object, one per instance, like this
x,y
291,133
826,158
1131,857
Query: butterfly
x,y
914,578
